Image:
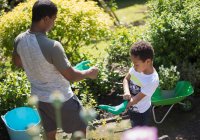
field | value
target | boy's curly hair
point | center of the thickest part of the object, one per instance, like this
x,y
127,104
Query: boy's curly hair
x,y
143,50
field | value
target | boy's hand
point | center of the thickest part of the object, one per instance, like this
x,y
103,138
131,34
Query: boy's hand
x,y
130,103
127,96
93,72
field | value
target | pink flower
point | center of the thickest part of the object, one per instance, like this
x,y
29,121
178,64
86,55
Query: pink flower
x,y
140,133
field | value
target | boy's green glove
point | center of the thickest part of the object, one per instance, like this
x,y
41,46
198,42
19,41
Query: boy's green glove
x,y
83,65
116,110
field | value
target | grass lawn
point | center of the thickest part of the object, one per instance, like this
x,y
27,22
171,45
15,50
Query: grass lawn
x,y
109,131
132,14
104,132
96,51
129,11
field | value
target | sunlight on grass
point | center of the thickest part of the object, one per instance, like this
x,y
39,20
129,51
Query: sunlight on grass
x,y
109,131
132,14
105,132
97,51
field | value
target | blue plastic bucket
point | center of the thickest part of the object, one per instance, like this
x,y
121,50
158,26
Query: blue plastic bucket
x,y
19,120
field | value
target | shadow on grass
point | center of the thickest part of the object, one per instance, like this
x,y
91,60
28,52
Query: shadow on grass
x,y
126,3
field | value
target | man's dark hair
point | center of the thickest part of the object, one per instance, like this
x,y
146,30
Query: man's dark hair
x,y
43,8
143,50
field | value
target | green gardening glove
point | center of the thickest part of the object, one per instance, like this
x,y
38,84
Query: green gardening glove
x,y
83,65
116,110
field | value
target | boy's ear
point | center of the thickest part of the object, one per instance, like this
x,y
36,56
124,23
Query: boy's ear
x,y
148,61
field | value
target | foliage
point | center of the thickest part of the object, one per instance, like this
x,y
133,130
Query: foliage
x,y
174,29
9,4
14,92
112,69
3,4
78,23
99,89
120,45
191,72
112,4
168,77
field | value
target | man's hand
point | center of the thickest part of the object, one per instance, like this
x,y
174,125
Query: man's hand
x,y
93,72
127,96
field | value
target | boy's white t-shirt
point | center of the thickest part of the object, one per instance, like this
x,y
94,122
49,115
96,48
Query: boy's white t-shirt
x,y
146,84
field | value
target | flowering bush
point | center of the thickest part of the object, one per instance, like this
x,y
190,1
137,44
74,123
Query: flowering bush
x,y
168,77
78,23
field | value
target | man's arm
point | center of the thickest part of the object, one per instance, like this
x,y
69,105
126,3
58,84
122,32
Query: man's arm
x,y
127,95
16,59
61,62
72,74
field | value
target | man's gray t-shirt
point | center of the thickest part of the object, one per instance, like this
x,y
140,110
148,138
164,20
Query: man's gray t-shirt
x,y
42,59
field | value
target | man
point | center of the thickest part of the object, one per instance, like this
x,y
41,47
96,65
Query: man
x,y
49,70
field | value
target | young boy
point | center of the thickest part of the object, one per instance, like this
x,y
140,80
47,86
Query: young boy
x,y
140,83
48,70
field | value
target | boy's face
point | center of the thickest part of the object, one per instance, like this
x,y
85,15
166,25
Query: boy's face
x,y
49,22
139,65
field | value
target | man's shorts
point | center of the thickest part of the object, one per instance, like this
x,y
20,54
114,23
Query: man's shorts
x,y
70,118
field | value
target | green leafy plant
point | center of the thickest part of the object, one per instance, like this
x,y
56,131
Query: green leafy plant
x,y
168,77
14,92
121,41
174,30
191,72
9,4
78,23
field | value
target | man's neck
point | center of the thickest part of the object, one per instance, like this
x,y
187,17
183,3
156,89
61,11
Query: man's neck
x,y
36,28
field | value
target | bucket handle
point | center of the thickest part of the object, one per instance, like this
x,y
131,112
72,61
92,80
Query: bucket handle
x,y
3,118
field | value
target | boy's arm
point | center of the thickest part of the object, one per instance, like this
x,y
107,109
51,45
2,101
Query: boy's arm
x,y
148,90
136,99
127,95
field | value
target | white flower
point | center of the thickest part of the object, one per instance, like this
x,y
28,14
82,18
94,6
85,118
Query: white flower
x,y
88,115
33,100
57,99
140,133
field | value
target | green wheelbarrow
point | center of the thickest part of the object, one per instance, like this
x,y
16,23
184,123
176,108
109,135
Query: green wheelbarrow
x,y
179,95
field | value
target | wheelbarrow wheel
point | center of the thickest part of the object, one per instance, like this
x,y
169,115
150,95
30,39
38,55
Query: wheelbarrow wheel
x,y
187,104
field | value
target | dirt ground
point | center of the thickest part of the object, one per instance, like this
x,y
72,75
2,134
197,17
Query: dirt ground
x,y
178,125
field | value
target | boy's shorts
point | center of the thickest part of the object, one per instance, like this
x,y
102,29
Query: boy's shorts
x,y
70,118
139,119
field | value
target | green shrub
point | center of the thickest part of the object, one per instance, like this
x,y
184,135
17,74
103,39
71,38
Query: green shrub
x,y
3,4
6,5
113,68
78,23
120,45
14,92
174,31
99,89
191,72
